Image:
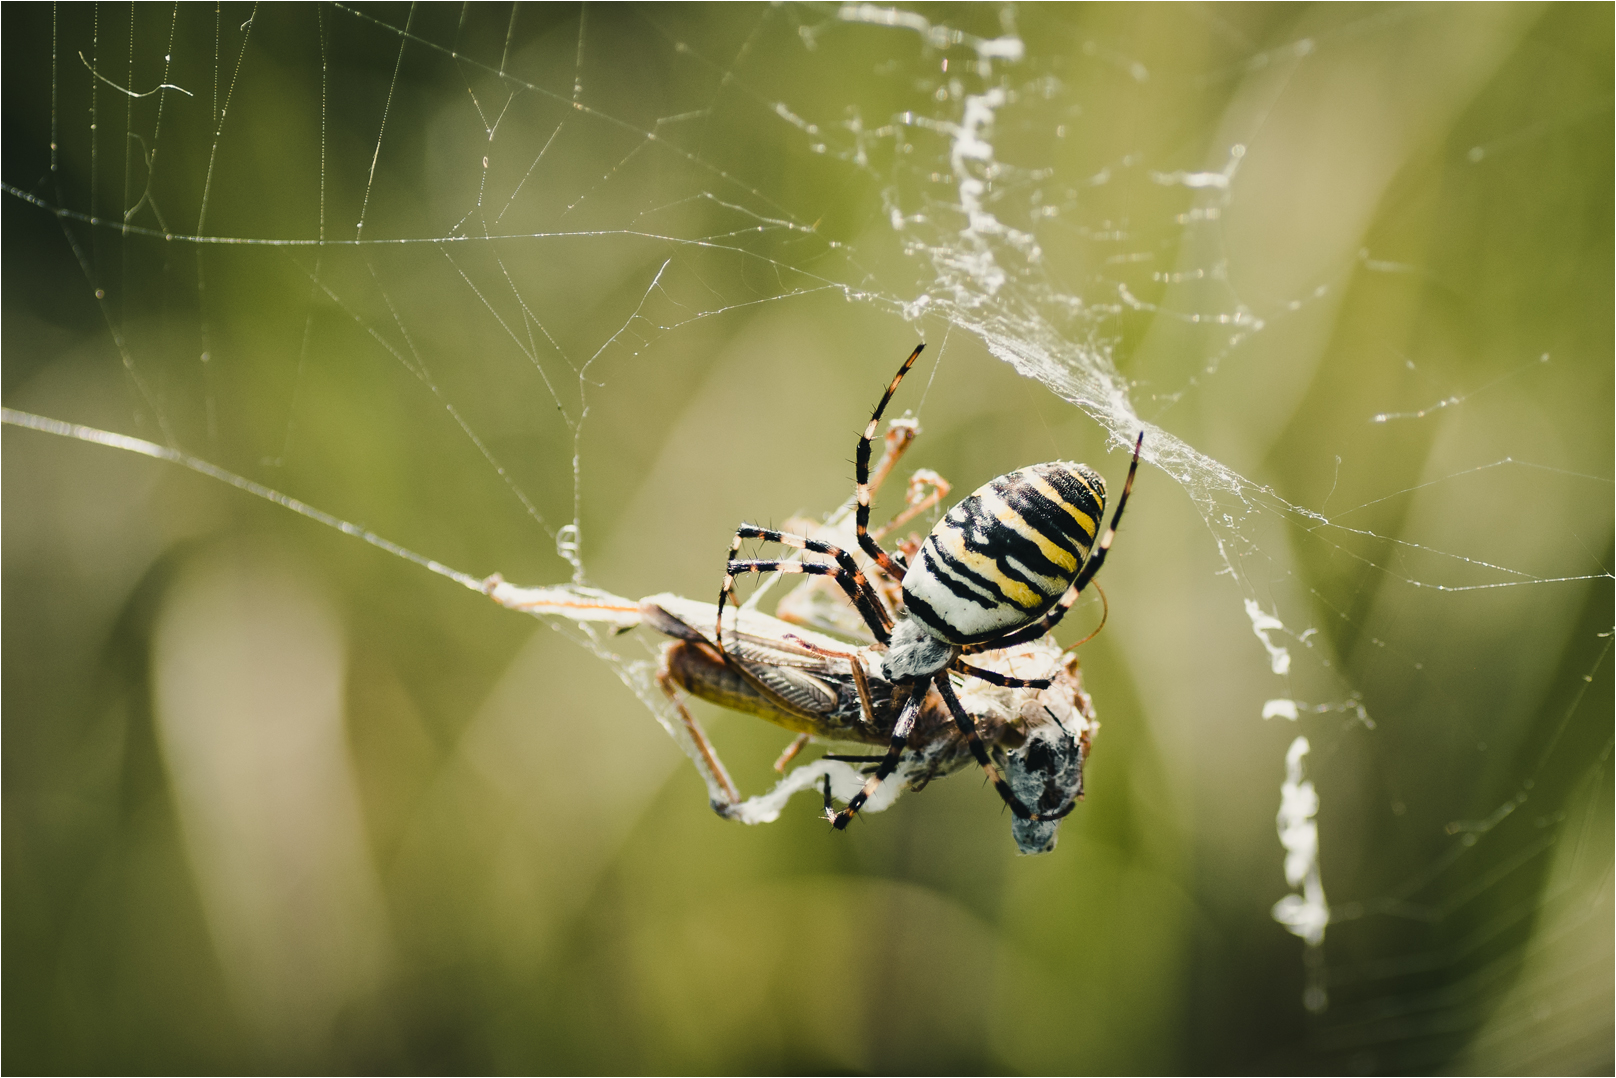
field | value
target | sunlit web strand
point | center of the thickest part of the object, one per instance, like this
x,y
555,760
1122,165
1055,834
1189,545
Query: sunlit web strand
x,y
1526,578
1320,524
396,241
196,464
417,367
579,106
1472,471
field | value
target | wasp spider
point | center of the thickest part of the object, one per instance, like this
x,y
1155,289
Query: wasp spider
x,y
1000,569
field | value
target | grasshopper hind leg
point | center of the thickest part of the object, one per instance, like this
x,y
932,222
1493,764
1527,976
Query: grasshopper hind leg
x,y
722,794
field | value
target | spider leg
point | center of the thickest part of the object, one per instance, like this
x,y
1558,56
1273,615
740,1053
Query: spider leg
x,y
889,763
835,572
1105,616
1097,559
845,572
1044,625
1002,680
867,542
849,567
1028,632
967,727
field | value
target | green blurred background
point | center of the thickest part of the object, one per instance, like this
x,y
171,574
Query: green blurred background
x,y
277,801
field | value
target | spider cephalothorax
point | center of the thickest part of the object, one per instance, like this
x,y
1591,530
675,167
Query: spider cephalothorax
x,y
1001,568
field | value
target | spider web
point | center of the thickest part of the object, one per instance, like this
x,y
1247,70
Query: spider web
x,y
568,293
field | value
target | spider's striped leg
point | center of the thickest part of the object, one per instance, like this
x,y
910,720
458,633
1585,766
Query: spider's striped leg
x,y
889,763
1097,559
835,572
994,678
1029,632
978,750
845,572
867,542
1044,625
850,572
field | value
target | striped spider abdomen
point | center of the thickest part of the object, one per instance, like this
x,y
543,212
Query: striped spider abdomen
x,y
1003,556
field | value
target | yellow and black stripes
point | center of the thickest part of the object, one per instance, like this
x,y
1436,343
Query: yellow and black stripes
x,y
1091,567
1004,555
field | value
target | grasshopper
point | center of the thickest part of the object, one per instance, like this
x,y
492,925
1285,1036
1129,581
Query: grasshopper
x,y
823,689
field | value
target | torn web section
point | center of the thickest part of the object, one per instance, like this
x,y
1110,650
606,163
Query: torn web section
x,y
1304,912
1372,566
